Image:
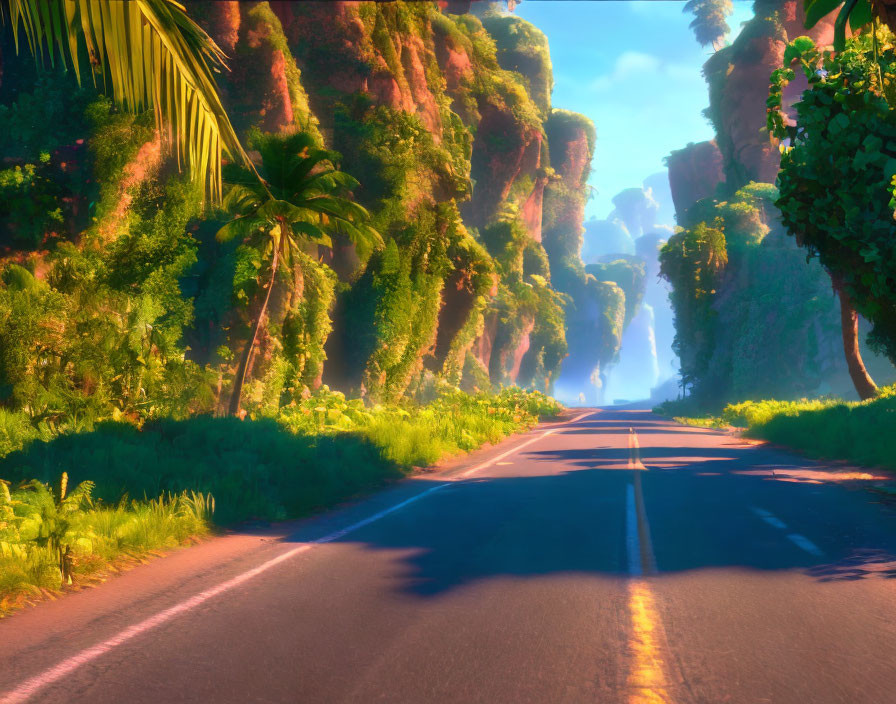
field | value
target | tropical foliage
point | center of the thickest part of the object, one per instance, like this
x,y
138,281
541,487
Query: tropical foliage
x,y
859,432
693,261
51,537
855,13
709,23
318,451
299,203
837,172
149,54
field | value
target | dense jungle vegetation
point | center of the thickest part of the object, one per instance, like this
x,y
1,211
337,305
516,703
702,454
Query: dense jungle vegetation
x,y
258,258
754,265
353,236
767,278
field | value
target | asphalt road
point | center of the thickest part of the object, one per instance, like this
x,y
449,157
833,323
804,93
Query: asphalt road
x,y
580,563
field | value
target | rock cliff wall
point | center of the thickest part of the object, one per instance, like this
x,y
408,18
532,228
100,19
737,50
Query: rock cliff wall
x,y
467,172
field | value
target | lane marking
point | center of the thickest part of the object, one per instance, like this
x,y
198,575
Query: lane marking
x,y
536,438
769,518
31,686
632,541
509,452
646,682
579,417
776,522
634,451
803,542
641,559
648,560
646,679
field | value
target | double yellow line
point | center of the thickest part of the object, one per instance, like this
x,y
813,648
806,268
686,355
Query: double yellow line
x,y
646,683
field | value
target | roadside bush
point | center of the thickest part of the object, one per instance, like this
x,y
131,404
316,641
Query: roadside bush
x,y
50,537
856,431
253,468
318,453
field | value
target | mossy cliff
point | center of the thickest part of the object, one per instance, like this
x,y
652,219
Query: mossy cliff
x,y
476,185
738,77
754,319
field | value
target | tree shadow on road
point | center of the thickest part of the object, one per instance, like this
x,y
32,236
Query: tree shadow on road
x,y
706,508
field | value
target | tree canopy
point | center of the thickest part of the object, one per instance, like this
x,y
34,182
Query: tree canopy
x,y
837,173
709,23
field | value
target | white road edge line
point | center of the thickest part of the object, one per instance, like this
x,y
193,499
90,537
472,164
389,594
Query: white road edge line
x,y
493,460
500,457
803,542
31,686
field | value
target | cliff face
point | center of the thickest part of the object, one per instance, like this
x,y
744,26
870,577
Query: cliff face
x,y
596,314
754,319
767,326
445,120
694,173
738,77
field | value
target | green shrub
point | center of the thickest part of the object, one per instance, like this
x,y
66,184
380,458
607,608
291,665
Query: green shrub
x,y
320,451
16,431
50,537
860,431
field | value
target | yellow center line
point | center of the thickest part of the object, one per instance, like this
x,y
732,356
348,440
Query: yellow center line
x,y
646,678
634,454
647,683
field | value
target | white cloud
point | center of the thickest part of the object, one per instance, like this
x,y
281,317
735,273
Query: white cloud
x,y
630,62
636,63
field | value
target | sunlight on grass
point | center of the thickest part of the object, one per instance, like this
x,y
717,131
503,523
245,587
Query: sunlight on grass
x,y
856,431
90,537
309,457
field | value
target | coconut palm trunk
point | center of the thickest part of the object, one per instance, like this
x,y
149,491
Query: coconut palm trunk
x,y
240,378
301,202
849,322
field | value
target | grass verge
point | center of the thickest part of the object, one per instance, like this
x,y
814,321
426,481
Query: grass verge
x,y
50,539
863,432
311,456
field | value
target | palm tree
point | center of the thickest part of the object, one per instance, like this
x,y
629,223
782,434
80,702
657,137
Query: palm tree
x,y
146,53
300,200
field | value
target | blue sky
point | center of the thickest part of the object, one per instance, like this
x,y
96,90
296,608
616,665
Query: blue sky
x,y
634,68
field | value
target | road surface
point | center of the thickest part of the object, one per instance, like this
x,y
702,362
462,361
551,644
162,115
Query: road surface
x,y
615,558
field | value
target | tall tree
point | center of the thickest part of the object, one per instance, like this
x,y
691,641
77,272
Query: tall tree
x,y
836,180
709,23
146,54
301,200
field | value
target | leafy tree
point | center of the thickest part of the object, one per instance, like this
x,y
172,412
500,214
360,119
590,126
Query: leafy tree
x,y
693,261
151,54
301,199
629,274
857,13
709,23
836,180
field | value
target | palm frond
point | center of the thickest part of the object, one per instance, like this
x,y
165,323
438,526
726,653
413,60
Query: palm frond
x,y
241,228
311,231
153,55
242,199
